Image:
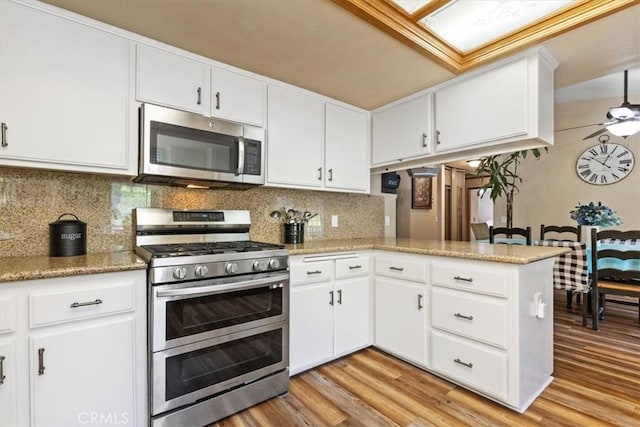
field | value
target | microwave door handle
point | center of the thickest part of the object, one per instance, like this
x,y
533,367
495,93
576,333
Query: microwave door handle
x,y
198,291
240,169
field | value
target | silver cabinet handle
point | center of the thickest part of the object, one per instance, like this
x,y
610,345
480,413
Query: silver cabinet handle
x,y
460,362
354,267
41,367
462,316
2,376
83,304
340,296
396,268
331,300
420,306
319,174
199,92
217,100
4,128
424,140
314,272
464,279
331,174
437,137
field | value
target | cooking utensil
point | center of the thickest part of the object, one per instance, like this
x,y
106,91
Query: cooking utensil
x,y
275,214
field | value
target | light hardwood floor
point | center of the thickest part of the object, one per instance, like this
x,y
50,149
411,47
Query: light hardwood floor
x,y
597,383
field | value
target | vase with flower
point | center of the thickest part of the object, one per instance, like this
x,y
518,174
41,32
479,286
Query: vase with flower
x,y
594,215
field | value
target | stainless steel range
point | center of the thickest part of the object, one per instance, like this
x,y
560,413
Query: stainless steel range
x,y
218,314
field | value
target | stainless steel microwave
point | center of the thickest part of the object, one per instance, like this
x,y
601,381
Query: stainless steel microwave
x,y
187,149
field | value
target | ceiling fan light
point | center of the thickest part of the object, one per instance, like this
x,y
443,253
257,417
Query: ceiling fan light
x,y
473,163
624,129
621,112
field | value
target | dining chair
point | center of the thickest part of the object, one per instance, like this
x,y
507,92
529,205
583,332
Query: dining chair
x,y
614,271
509,233
561,229
480,230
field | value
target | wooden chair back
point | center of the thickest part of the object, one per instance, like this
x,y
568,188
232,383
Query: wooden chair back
x,y
509,233
615,271
561,229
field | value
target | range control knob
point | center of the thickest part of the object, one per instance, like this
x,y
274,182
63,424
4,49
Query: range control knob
x,y
201,271
231,268
256,266
274,263
179,273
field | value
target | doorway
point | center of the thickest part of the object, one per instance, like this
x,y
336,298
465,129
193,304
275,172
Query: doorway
x,y
480,207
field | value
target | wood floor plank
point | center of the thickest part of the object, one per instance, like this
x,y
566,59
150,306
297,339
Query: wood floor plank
x,y
597,383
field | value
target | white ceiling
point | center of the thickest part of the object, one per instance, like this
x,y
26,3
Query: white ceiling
x,y
317,45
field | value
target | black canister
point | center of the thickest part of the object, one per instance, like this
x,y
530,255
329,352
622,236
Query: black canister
x,y
294,233
67,237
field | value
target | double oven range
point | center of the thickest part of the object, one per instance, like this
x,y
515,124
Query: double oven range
x,y
218,311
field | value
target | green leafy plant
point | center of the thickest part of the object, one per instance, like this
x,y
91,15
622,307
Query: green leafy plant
x,y
501,174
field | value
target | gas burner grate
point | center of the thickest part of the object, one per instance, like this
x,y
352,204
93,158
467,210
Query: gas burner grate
x,y
187,249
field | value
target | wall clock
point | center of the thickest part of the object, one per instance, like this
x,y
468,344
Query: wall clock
x,y
605,164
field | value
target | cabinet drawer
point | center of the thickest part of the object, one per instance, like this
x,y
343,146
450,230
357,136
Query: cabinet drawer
x,y
475,278
475,316
67,306
309,272
475,365
405,268
7,314
352,267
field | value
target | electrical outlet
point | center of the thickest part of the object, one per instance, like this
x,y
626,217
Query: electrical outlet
x,y
334,220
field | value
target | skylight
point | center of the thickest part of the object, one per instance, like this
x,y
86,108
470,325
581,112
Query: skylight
x,y
468,24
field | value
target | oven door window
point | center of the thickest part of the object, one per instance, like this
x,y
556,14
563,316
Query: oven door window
x,y
199,369
193,316
187,148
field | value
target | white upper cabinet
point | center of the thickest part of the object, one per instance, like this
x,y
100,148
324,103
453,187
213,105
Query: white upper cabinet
x,y
168,79
176,81
64,94
315,144
403,131
346,149
483,108
238,98
509,103
295,138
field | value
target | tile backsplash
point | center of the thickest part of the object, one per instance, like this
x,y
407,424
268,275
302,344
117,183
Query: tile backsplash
x,y
30,199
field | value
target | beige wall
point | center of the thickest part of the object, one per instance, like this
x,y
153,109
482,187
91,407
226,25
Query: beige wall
x,y
551,186
416,223
30,199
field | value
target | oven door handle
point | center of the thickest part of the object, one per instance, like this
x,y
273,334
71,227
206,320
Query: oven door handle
x,y
219,289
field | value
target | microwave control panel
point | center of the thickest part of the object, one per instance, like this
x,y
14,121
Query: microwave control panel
x,y
252,155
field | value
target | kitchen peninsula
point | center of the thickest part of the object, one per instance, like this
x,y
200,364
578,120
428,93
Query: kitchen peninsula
x,y
477,314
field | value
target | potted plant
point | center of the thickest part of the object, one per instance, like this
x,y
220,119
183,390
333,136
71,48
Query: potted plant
x,y
501,172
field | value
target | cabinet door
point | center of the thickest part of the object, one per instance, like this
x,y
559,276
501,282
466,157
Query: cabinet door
x,y
295,142
88,372
400,319
403,131
487,107
172,80
346,149
63,93
311,326
238,98
8,383
352,315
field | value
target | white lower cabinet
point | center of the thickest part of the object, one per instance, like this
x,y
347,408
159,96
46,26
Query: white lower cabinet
x,y
401,306
76,352
400,319
330,309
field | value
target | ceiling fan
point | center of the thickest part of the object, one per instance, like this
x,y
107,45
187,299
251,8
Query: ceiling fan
x,y
624,120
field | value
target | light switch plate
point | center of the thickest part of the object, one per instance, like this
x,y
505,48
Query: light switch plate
x,y
334,220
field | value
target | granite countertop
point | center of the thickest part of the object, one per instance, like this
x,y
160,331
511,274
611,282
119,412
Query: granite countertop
x,y
511,254
40,267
